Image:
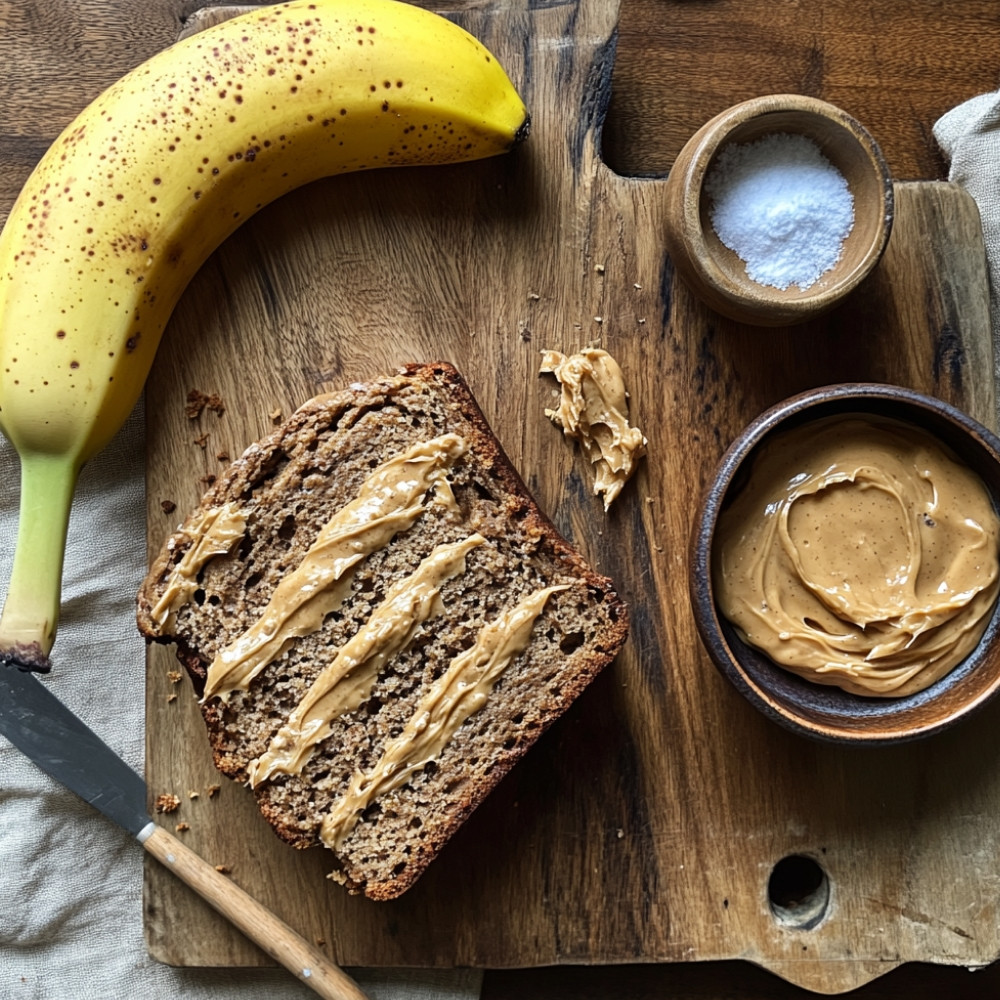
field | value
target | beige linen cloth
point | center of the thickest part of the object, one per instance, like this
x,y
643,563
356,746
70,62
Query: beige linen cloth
x,y
969,136
70,880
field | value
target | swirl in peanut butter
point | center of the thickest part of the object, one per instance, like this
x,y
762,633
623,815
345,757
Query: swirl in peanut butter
x,y
860,554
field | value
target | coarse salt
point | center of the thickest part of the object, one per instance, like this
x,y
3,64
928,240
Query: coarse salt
x,y
781,207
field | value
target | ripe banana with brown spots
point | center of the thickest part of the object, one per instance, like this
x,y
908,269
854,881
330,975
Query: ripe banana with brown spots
x,y
154,175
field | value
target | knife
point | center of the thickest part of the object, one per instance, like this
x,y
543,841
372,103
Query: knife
x,y
56,740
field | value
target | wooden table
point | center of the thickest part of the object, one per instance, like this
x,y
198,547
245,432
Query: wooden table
x,y
678,63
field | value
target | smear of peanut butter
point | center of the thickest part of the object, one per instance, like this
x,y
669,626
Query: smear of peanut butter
x,y
390,501
347,681
593,410
460,692
213,533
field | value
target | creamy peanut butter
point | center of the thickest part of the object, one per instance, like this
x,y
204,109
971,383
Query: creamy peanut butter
x,y
860,554
347,681
593,410
213,534
461,691
389,502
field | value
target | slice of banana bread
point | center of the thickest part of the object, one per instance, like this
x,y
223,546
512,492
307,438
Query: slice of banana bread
x,y
379,621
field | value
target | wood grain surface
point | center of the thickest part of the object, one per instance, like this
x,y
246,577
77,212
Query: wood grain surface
x,y
897,68
645,825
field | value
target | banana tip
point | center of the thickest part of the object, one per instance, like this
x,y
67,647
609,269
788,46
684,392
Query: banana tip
x,y
524,130
26,657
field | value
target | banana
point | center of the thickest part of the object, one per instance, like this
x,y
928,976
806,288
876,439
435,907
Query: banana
x,y
153,175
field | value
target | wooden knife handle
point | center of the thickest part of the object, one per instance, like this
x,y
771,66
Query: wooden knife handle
x,y
259,924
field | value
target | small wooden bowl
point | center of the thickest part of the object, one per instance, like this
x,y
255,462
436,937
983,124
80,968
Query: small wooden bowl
x,y
825,713
714,272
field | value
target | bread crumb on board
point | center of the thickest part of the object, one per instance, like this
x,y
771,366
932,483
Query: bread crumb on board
x,y
167,802
182,827
198,402
168,506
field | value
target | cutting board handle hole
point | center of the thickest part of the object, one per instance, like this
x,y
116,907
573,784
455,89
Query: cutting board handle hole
x,y
798,892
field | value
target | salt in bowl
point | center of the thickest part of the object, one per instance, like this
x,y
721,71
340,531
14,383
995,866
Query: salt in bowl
x,y
714,271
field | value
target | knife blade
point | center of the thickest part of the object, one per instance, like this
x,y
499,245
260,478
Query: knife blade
x,y
64,747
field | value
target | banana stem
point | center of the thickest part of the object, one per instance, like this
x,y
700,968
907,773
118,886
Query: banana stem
x,y
31,610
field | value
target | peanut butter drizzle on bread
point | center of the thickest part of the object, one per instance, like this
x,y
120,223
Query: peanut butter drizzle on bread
x,y
213,533
347,682
459,693
389,501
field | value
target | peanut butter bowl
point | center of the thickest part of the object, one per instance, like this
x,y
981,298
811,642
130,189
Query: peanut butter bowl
x,y
857,604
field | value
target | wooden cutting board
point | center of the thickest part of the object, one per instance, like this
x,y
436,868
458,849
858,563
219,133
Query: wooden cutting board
x,y
644,827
